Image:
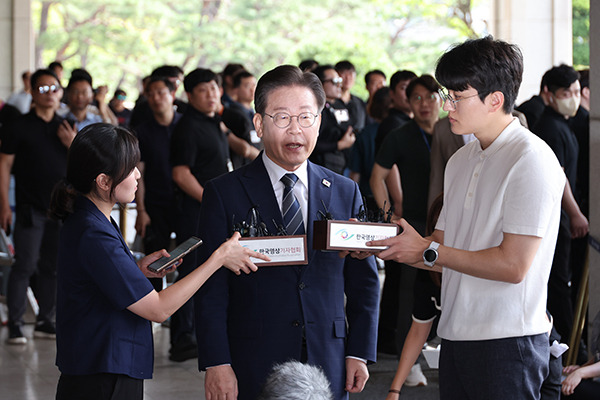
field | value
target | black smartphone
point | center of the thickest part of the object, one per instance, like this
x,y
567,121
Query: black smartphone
x,y
180,251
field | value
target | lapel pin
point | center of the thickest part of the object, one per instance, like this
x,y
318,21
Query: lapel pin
x,y
325,182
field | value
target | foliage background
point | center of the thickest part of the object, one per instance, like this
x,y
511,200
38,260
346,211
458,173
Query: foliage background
x,y
121,41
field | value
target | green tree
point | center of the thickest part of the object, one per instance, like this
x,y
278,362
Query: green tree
x,y
120,41
581,33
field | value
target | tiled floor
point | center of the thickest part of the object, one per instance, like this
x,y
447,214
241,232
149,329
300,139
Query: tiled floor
x,y
28,373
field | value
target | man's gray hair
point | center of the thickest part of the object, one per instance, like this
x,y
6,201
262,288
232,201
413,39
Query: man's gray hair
x,y
294,380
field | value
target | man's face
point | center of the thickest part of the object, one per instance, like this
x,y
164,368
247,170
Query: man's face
x,y
425,105
398,96
469,114
288,147
332,84
376,82
349,78
569,95
80,95
246,90
50,98
160,99
205,98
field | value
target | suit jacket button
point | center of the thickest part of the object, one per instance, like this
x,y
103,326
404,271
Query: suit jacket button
x,y
296,324
301,285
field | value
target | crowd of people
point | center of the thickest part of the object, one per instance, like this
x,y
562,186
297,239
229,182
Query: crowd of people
x,y
512,225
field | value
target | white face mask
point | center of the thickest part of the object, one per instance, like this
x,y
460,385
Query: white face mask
x,y
567,107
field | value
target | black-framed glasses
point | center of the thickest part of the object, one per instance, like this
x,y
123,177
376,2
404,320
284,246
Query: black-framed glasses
x,y
336,81
48,88
283,120
446,97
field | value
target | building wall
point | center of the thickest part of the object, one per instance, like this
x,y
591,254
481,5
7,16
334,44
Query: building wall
x,y
16,52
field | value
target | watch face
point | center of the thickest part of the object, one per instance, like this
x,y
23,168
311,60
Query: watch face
x,y
430,255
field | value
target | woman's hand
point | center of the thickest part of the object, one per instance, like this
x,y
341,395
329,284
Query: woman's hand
x,y
571,382
237,258
150,258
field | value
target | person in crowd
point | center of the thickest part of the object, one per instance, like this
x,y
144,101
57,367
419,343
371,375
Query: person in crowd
x,y
374,80
336,134
80,94
534,107
400,112
579,383
34,148
563,88
398,115
323,313
408,148
227,76
244,85
294,380
495,235
443,145
363,151
425,312
580,125
117,106
8,114
199,152
244,144
22,99
308,65
142,112
58,69
104,338
356,107
155,197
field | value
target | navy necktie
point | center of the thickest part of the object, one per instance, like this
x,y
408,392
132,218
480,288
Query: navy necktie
x,y
290,207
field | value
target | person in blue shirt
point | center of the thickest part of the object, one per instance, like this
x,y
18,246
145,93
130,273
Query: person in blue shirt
x,y
105,303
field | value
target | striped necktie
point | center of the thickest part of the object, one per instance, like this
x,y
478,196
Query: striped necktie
x,y
290,207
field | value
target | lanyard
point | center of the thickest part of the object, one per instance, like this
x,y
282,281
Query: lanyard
x,y
425,139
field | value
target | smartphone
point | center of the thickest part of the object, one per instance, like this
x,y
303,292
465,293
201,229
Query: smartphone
x,y
180,251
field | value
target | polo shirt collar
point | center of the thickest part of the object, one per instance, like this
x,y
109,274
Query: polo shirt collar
x,y
499,142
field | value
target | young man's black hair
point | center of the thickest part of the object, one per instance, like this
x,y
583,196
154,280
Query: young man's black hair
x,y
560,77
197,76
486,65
427,81
344,65
239,76
369,74
38,74
401,76
170,71
320,71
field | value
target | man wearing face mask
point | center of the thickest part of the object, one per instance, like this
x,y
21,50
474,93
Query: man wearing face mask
x,y
563,94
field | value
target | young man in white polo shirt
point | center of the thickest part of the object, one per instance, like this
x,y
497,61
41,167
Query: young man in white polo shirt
x,y
496,234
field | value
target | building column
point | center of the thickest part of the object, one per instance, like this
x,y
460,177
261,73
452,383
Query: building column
x,y
543,29
16,54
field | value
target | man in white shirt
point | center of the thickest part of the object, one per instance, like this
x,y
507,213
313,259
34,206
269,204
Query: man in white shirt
x,y
496,234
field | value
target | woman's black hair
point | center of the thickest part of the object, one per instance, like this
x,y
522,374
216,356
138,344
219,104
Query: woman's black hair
x,y
97,149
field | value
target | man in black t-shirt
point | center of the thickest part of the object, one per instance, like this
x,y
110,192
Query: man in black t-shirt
x,y
336,134
34,147
199,152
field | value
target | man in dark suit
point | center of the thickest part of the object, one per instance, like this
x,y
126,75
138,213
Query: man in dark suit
x,y
247,324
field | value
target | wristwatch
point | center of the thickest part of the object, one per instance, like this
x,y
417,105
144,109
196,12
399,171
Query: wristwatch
x,y
430,255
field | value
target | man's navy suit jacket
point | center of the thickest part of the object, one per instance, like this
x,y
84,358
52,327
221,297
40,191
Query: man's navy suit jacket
x,y
254,321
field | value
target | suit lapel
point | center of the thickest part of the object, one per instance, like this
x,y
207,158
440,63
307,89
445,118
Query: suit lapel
x,y
320,185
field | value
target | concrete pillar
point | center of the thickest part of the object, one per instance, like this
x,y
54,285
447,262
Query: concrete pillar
x,y
16,53
594,161
543,29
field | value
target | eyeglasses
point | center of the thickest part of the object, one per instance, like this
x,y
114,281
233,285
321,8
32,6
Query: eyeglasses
x,y
446,97
336,81
433,97
47,89
283,120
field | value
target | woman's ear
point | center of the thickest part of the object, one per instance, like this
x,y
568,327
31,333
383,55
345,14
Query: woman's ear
x,y
103,182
